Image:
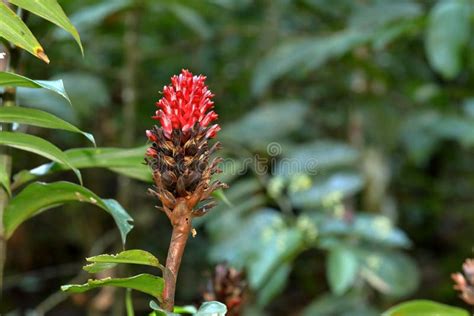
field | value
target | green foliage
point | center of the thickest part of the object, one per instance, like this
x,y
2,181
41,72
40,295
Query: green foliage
x,y
425,308
447,36
38,197
51,11
206,309
146,283
15,114
135,256
14,30
15,80
38,146
342,265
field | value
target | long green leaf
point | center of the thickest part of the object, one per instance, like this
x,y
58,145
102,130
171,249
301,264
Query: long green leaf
x,y
11,79
21,115
14,30
38,197
4,179
38,146
133,256
124,161
424,308
448,33
145,283
51,11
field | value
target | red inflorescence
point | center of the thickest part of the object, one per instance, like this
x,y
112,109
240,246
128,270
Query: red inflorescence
x,y
185,102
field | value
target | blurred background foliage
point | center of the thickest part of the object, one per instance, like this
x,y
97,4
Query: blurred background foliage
x,y
370,101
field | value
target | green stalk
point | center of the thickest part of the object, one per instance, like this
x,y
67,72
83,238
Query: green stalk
x,y
8,99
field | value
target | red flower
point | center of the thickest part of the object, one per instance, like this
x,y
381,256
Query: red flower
x,y
185,102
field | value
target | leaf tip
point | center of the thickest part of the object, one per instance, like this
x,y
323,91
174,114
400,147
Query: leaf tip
x,y
41,55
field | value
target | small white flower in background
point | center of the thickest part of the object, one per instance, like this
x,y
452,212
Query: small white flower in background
x,y
3,55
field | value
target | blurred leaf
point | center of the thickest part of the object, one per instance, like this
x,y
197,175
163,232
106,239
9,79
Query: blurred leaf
x,y
277,244
20,115
341,269
367,228
87,92
315,157
347,305
158,311
190,18
274,286
15,31
271,122
306,53
447,35
38,197
11,79
382,12
340,183
134,256
390,272
212,309
92,15
145,283
424,308
38,146
51,11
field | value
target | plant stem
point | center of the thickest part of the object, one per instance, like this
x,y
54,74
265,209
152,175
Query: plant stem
x,y
182,226
8,99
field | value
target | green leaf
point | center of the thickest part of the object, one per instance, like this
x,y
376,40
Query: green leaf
x,y
212,309
92,15
304,54
448,33
190,18
51,11
343,183
341,269
134,256
21,115
4,179
145,283
38,197
124,161
38,146
269,121
424,308
11,79
14,30
274,285
390,272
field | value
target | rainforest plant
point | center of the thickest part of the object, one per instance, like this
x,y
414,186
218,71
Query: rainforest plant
x,y
180,161
20,197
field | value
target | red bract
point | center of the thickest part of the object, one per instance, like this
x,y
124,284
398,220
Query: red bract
x,y
185,102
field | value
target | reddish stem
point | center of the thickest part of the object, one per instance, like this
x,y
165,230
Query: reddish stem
x,y
181,220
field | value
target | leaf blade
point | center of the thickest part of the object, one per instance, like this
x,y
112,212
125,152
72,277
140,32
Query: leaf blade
x,y
38,146
51,11
12,79
14,30
38,197
426,308
21,115
146,283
